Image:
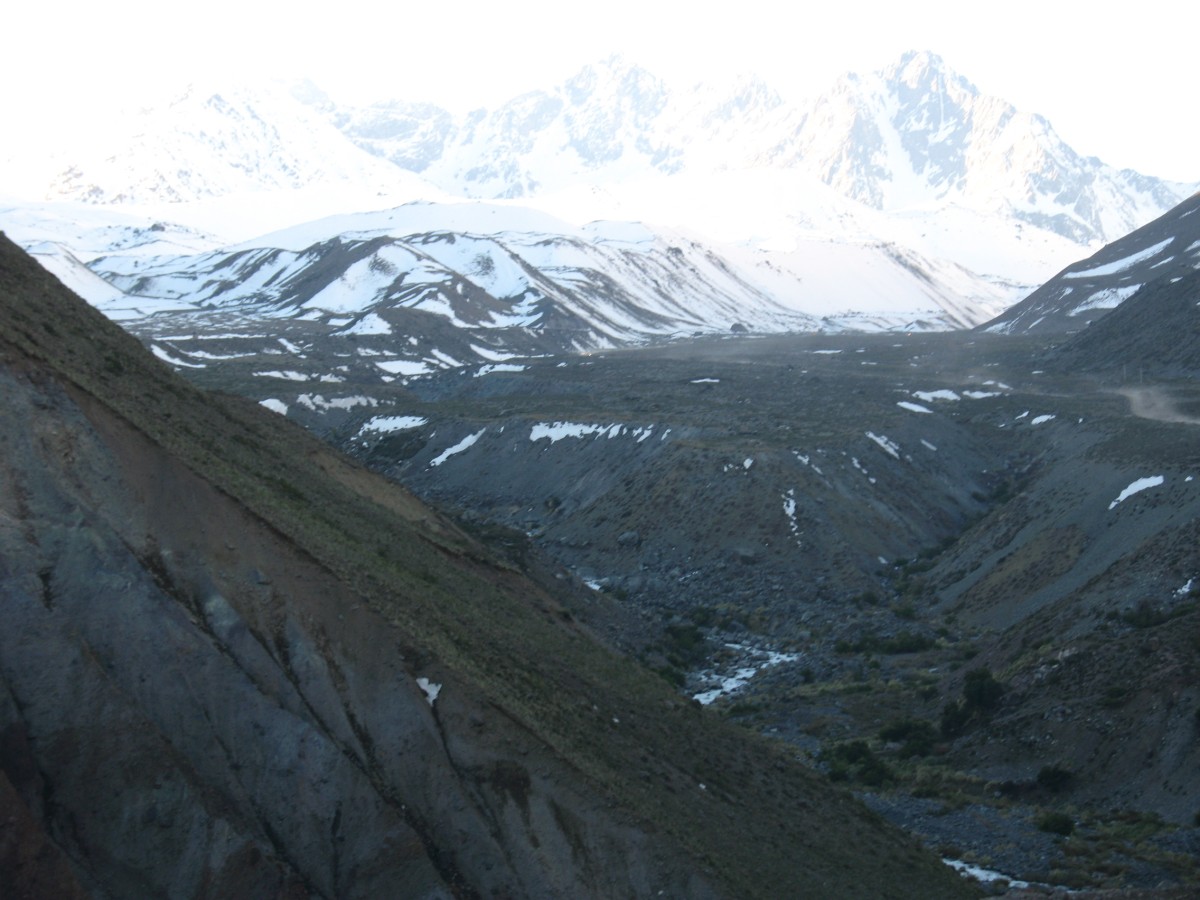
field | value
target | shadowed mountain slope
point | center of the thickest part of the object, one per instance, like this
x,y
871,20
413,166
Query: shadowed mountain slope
x,y
236,664
1160,253
1155,332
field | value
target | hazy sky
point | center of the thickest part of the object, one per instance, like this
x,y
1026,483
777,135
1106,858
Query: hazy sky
x,y
1115,86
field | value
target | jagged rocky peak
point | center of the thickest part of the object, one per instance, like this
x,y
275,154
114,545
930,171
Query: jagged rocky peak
x,y
926,74
616,81
934,113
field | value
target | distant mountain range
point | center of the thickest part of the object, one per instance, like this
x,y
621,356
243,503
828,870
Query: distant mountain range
x,y
900,199
912,134
909,135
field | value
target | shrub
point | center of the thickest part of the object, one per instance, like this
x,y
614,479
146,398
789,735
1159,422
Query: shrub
x,y
855,760
1054,778
955,717
981,690
916,736
1055,823
1144,615
903,642
981,694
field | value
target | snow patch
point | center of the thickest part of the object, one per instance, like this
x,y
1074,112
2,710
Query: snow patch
x,y
276,406
1136,487
913,407
789,510
404,367
559,430
286,376
429,688
168,358
1122,264
387,424
498,367
491,355
930,396
318,402
371,323
889,446
462,445
1106,299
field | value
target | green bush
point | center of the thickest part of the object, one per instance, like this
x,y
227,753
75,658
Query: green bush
x,y
1055,823
856,761
916,736
1054,779
1144,615
981,690
981,694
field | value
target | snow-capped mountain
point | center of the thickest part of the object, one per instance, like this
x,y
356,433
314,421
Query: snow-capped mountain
x,y
552,289
212,143
898,199
913,136
533,283
918,132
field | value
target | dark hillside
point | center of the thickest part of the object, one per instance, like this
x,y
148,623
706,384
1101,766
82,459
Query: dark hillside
x,y
234,663
1156,332
1085,292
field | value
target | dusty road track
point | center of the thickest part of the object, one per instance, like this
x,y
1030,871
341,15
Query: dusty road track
x,y
1155,403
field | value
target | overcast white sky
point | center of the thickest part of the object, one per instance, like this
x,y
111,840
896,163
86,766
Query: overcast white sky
x,y
1119,85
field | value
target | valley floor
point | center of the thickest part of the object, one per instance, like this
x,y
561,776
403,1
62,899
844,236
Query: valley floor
x,y
951,575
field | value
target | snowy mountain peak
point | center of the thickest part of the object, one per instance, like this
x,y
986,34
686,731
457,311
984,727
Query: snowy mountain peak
x,y
212,141
925,71
616,82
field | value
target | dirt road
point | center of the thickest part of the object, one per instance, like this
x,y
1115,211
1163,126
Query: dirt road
x,y
1155,403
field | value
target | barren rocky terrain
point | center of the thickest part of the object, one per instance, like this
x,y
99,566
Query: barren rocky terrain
x,y
955,573
236,663
823,537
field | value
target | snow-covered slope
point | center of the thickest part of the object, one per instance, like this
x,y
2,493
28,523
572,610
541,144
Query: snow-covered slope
x,y
601,285
499,266
210,143
918,132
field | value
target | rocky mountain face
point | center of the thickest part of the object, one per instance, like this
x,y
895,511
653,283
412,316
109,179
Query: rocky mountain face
x,y
237,664
1154,257
918,131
